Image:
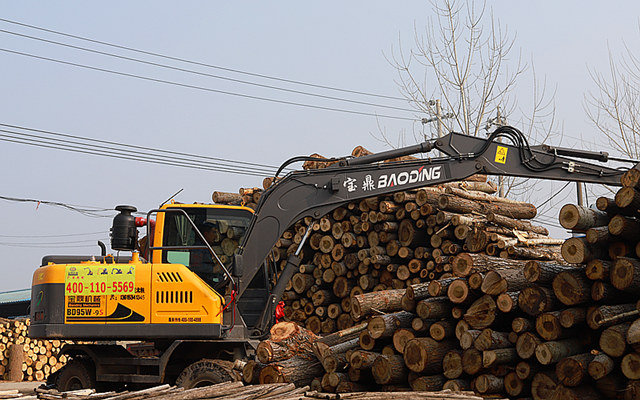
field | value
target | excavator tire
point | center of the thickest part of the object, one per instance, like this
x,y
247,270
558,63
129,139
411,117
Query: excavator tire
x,y
206,372
77,374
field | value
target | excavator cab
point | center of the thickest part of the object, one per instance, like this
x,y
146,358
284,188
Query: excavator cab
x,y
203,238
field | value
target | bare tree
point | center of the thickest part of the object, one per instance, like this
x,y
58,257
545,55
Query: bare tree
x,y
460,74
613,107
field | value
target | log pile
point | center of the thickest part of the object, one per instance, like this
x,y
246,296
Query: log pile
x,y
22,358
459,291
408,238
234,391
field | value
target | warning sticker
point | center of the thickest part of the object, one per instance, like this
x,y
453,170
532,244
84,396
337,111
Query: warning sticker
x,y
501,155
99,279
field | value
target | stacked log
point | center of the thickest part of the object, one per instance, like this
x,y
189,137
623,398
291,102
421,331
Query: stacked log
x,y
228,391
459,290
22,358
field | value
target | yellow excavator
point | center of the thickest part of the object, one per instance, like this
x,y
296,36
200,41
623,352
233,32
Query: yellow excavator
x,y
202,305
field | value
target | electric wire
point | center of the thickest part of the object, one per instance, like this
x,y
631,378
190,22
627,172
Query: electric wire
x,y
84,210
201,63
72,145
206,74
214,160
51,236
58,144
211,90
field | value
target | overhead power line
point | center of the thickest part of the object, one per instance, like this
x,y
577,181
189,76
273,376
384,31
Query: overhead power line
x,y
184,85
206,74
130,149
118,150
264,76
84,210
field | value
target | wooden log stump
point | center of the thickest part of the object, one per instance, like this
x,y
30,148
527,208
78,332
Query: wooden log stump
x,y
425,355
572,371
580,218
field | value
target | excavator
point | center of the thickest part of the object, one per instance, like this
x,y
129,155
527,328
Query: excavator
x,y
201,309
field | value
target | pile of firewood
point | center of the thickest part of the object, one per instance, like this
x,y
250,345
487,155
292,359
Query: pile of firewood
x,y
449,287
22,358
228,391
392,242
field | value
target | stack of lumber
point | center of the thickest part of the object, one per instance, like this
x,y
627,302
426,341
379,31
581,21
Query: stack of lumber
x,y
409,237
237,391
540,328
22,358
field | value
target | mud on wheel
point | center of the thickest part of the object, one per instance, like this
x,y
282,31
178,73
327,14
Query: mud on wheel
x,y
77,374
206,372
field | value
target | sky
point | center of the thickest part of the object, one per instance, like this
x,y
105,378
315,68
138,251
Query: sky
x,y
339,44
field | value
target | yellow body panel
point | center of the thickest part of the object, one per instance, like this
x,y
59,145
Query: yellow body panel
x,y
106,293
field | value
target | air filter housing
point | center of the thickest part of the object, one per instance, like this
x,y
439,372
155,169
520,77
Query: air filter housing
x,y
124,234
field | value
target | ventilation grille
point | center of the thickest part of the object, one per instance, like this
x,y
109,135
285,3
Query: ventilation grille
x,y
174,297
169,277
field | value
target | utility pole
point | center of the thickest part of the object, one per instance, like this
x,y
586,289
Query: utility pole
x,y
438,115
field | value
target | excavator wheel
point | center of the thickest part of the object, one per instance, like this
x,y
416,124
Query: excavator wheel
x,y
77,374
207,372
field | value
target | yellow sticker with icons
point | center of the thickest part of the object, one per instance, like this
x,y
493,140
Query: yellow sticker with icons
x,y
501,154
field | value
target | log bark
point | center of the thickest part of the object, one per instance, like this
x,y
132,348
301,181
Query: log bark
x,y
452,364
294,370
572,371
389,370
382,301
577,250
628,197
383,326
433,307
481,313
490,339
600,366
543,272
551,352
580,218
425,355
613,340
624,226
466,263
526,345
500,281
625,274
537,299
401,337
544,385
630,365
602,316
572,287
598,269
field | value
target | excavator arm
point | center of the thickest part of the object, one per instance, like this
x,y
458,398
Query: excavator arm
x,y
314,193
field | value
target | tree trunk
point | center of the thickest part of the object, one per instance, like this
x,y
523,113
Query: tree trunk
x,y
383,326
572,287
481,313
577,250
466,263
602,316
580,218
428,383
598,269
495,357
625,274
570,317
425,355
537,299
543,272
383,301
452,364
401,337
613,340
630,365
551,352
389,370
433,307
600,366
490,339
500,281
294,370
572,371
544,385
526,345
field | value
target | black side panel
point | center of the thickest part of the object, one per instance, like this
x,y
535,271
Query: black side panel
x,y
47,303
